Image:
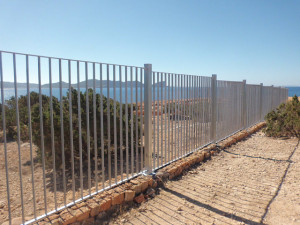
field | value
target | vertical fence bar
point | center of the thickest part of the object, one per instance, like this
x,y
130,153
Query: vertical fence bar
x,y
154,122
193,113
165,115
190,112
213,107
79,128
121,123
71,132
161,120
181,112
201,111
148,117
102,126
169,106
187,132
136,123
261,102
95,128
131,121
42,133
18,134
126,122
173,116
272,97
172,97
244,105
108,125
178,115
198,110
4,139
158,116
87,108
207,112
115,126
141,117
184,112
62,132
30,135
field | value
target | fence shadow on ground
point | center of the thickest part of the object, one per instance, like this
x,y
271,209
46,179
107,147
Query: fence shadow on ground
x,y
202,199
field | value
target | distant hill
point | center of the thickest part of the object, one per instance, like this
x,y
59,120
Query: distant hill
x,y
19,85
56,85
82,84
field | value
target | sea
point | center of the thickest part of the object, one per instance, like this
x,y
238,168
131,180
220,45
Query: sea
x,y
119,93
294,91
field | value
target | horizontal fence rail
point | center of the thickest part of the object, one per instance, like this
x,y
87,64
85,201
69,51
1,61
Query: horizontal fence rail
x,y
73,128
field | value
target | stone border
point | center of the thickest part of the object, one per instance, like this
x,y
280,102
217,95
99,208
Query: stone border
x,y
138,189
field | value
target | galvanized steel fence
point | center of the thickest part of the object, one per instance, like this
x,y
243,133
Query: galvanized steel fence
x,y
74,128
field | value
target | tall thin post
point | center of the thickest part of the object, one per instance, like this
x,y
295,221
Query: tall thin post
x,y
244,105
213,108
272,97
148,117
261,101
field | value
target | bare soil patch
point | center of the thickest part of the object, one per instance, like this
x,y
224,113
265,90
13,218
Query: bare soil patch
x,y
252,182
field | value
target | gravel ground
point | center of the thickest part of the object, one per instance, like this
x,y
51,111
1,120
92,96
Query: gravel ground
x,y
254,181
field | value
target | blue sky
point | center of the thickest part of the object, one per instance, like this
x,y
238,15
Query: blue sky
x,y
256,40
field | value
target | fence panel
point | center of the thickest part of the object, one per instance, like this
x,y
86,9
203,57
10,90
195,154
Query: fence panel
x,y
76,128
72,128
229,108
181,115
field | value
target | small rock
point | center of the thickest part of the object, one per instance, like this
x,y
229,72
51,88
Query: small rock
x,y
139,199
2,204
142,209
150,192
162,175
179,208
194,172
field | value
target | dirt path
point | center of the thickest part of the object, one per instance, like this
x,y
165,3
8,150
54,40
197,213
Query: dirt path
x,y
254,181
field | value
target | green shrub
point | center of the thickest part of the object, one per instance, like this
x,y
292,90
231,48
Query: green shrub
x,y
36,132
285,120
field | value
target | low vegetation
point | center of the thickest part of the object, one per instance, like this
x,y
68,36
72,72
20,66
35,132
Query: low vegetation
x,y
285,120
59,142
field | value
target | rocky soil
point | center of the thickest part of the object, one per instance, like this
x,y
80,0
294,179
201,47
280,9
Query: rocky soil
x,y
253,182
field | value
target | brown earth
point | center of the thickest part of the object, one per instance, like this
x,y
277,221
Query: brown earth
x,y
41,195
253,182
14,184
290,98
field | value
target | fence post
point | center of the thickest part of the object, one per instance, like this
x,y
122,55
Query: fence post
x,y
261,101
213,133
148,117
272,102
244,105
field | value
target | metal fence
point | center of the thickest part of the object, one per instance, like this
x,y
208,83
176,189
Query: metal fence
x,y
72,128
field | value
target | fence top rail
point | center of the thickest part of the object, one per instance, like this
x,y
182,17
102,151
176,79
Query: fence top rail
x,y
68,59
276,87
180,74
230,81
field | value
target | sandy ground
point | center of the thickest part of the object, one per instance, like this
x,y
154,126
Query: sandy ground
x,y
290,98
255,181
